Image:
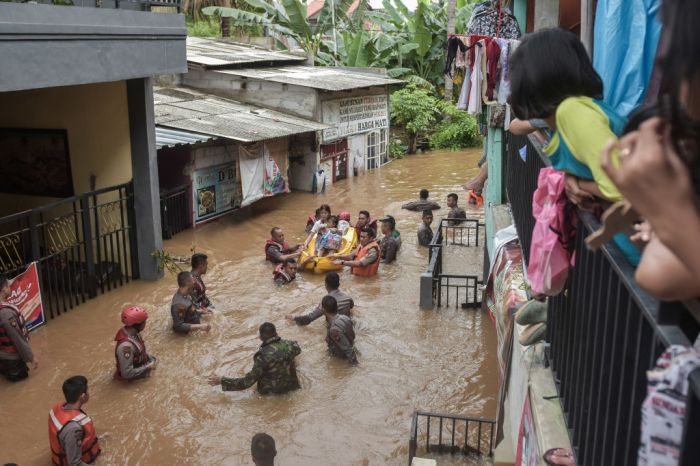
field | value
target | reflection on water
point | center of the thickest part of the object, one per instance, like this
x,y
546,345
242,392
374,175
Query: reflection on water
x,y
441,360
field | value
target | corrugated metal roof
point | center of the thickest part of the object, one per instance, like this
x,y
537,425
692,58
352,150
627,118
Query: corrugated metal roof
x,y
191,110
167,137
318,77
211,54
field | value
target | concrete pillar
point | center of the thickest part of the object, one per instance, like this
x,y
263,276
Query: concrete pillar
x,y
426,289
144,165
546,14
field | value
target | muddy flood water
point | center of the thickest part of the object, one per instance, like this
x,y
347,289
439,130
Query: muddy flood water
x,y
441,360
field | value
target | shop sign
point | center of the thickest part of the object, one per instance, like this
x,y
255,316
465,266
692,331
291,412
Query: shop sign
x,y
354,115
214,190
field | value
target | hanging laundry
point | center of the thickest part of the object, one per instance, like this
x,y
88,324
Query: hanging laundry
x,y
493,55
477,80
491,18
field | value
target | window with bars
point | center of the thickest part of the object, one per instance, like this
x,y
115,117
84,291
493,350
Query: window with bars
x,y
376,149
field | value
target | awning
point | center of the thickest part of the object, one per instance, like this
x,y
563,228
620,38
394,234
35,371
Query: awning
x,y
168,137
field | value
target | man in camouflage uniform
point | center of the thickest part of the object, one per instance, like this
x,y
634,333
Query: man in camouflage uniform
x,y
340,335
273,366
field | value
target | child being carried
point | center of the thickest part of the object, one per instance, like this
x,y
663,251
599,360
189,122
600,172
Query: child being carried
x,y
329,237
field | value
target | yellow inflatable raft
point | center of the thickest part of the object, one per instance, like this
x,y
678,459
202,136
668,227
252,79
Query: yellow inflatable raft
x,y
325,264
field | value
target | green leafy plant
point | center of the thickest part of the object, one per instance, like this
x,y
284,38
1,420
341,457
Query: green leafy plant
x,y
172,263
457,129
396,149
416,110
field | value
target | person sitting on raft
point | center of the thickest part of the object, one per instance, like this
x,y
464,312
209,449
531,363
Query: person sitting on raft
x,y
329,237
277,250
365,220
324,212
364,261
422,203
286,272
343,222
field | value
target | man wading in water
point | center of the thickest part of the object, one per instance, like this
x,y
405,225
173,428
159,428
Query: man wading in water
x,y
186,316
199,291
273,366
345,302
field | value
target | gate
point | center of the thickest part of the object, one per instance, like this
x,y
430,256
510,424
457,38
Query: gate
x,y
83,246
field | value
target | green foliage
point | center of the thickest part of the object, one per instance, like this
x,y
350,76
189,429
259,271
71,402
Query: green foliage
x,y
414,108
171,263
203,27
457,130
396,149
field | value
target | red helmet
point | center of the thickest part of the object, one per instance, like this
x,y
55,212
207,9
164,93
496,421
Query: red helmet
x,y
133,315
344,215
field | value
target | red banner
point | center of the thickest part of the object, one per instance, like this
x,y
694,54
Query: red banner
x,y
26,295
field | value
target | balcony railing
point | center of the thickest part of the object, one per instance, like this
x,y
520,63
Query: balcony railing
x,y
604,333
139,5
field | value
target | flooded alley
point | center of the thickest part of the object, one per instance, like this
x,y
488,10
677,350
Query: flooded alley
x,y
441,360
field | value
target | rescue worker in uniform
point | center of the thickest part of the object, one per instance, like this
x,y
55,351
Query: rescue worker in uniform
x,y
186,316
277,250
391,241
286,272
15,352
340,335
200,264
344,301
273,366
133,362
364,261
71,432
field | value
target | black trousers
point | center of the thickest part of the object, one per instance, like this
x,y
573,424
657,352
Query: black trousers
x,y
14,370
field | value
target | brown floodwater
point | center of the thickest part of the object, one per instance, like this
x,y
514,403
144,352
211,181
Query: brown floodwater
x,y
439,360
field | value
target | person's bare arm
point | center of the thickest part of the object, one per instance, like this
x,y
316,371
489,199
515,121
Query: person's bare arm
x,y
664,275
521,127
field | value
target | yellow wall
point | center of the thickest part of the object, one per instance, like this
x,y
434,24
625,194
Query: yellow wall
x,y
96,118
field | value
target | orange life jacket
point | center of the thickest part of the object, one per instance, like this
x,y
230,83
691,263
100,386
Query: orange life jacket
x,y
58,418
140,356
6,344
283,247
477,198
370,269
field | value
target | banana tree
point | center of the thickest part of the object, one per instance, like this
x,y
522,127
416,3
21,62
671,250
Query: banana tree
x,y
285,19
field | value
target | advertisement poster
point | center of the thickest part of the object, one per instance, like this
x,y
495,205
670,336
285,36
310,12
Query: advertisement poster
x,y
528,452
214,190
353,115
275,168
26,295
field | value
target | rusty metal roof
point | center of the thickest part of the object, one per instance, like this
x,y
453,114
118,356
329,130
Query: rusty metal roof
x,y
205,54
318,77
195,111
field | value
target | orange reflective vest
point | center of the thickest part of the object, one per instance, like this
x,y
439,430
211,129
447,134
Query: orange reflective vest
x,y
370,269
6,344
58,418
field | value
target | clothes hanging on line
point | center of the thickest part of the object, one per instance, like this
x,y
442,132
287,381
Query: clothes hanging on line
x,y
491,18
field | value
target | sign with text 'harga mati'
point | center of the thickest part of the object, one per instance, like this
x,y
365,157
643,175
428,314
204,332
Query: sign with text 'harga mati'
x,y
354,115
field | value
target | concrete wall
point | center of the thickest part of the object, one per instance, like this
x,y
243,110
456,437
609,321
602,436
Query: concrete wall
x,y
546,14
46,45
96,118
295,100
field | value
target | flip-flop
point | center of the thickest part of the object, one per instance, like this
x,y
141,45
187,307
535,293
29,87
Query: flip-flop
x,y
532,334
532,312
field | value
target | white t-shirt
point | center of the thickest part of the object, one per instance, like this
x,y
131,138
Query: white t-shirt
x,y
317,226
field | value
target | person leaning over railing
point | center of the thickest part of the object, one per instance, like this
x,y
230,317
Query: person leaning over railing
x,y
552,78
659,168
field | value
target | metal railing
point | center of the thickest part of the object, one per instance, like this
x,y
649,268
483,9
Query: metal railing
x,y
83,245
604,333
441,288
139,5
521,178
454,434
175,212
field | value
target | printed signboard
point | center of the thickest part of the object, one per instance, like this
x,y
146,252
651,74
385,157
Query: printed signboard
x,y
214,191
354,115
26,295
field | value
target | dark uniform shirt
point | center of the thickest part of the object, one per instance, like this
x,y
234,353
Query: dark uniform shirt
x,y
184,313
389,246
456,212
199,293
273,369
345,303
421,205
13,329
425,234
341,338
